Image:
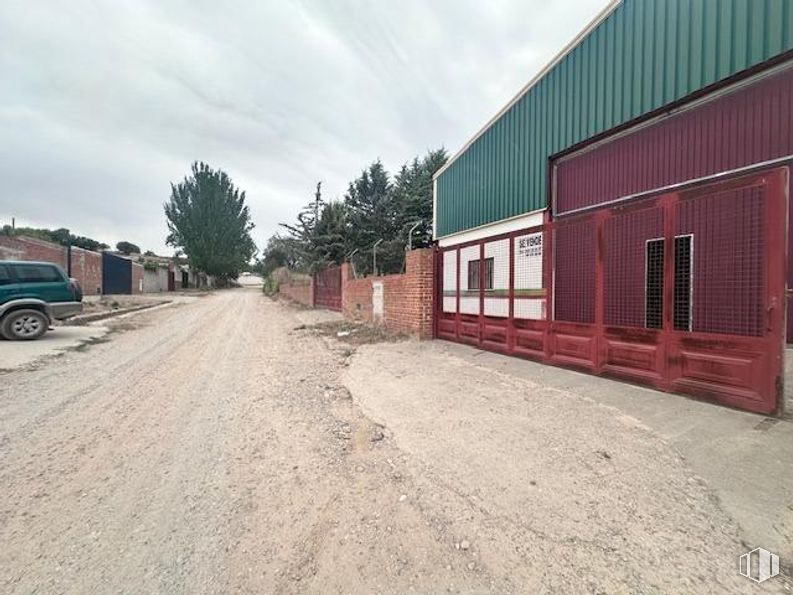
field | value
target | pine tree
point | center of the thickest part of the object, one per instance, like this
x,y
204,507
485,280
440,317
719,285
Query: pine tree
x,y
373,216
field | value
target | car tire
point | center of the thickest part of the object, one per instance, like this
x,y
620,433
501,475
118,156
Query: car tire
x,y
24,325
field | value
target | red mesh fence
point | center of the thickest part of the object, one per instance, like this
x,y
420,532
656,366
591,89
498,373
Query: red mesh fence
x,y
633,249
575,249
728,273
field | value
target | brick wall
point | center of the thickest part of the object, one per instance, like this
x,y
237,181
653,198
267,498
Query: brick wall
x,y
356,296
23,248
407,298
86,265
137,278
300,292
87,269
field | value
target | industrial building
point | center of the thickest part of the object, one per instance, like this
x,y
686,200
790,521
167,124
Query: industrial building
x,y
627,212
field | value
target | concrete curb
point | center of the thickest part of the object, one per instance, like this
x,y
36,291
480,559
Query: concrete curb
x,y
85,319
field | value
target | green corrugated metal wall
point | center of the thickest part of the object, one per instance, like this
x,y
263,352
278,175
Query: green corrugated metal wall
x,y
646,54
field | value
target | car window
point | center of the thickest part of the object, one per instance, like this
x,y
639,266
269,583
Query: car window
x,y
5,275
37,273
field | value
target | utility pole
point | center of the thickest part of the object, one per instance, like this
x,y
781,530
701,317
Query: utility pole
x,y
317,199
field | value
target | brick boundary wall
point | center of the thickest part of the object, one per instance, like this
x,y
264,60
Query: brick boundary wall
x,y
137,278
407,298
24,248
302,293
356,297
86,264
87,269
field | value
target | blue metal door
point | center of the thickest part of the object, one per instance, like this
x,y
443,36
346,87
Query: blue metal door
x,y
116,274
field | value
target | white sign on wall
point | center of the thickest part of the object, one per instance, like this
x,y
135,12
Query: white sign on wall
x,y
377,300
528,261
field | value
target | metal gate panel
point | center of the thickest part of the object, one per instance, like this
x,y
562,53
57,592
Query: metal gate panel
x,y
327,288
683,291
734,353
631,346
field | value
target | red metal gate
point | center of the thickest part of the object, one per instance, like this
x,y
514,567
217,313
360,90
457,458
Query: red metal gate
x,y
683,291
327,288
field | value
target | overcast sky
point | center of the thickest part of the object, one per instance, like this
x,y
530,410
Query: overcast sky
x,y
103,103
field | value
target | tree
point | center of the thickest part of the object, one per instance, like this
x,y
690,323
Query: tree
x,y
57,236
373,215
319,237
301,235
374,209
127,248
330,239
279,252
208,219
413,196
88,243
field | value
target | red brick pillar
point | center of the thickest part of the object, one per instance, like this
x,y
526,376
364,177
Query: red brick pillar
x,y
419,273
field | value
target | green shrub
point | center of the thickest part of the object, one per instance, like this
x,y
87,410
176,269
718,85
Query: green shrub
x,y
270,286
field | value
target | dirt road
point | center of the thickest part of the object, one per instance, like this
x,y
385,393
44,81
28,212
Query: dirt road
x,y
212,447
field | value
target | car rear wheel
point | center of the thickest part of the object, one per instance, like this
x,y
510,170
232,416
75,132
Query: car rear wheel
x,y
24,325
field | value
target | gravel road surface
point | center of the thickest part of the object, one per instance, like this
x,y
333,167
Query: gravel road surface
x,y
214,447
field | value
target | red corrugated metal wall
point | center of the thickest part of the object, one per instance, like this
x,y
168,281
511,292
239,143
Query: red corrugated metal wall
x,y
745,126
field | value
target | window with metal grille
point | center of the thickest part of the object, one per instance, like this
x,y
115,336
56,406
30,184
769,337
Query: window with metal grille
x,y
684,253
654,283
474,280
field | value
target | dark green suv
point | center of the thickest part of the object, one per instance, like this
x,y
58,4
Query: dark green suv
x,y
32,295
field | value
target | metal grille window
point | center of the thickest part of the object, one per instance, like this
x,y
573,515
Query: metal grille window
x,y
474,279
684,254
654,284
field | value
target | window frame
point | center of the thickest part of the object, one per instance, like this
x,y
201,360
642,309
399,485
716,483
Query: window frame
x,y
475,274
662,242
690,326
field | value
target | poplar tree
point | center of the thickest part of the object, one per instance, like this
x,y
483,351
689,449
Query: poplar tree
x,y
209,221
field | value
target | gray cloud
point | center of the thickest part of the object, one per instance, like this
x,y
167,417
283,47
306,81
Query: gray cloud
x,y
102,105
